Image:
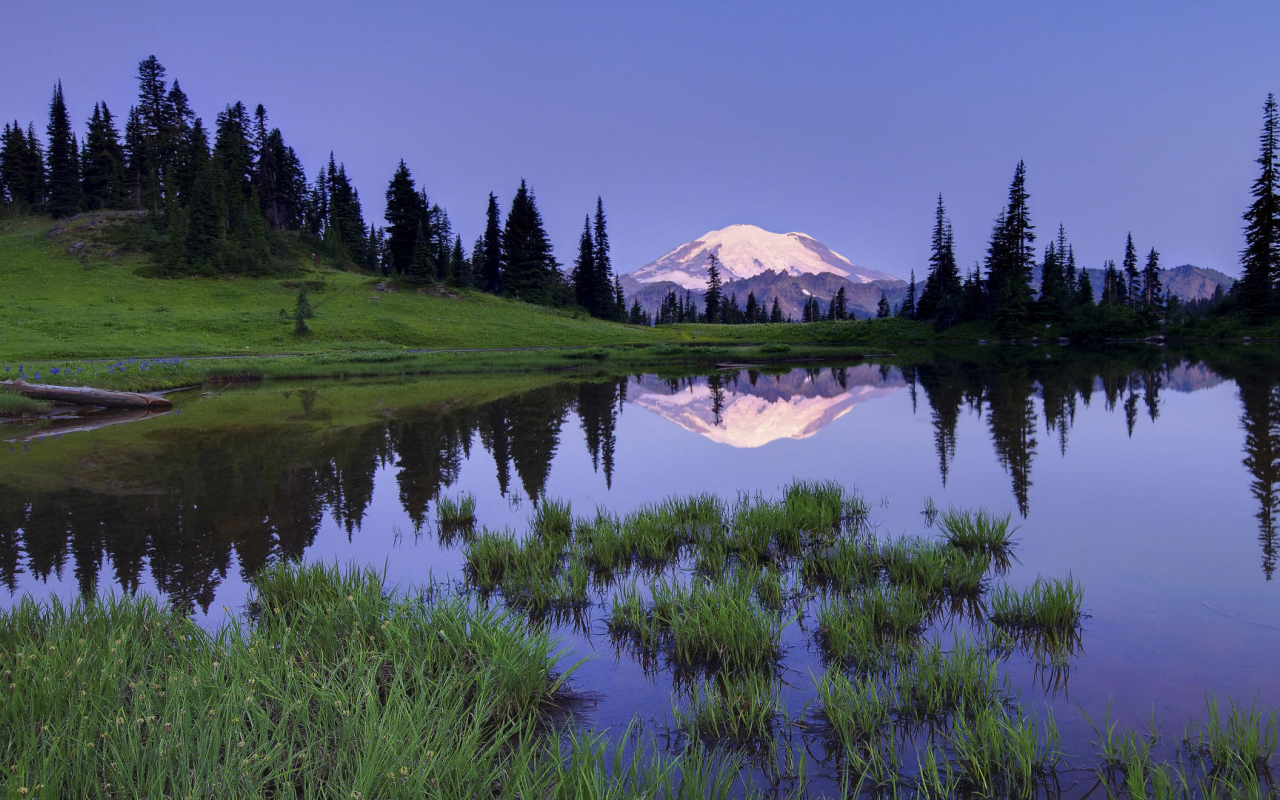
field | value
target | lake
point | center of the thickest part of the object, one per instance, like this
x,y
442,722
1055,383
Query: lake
x,y
1148,474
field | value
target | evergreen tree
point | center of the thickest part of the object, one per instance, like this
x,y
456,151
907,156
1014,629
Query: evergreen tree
x,y
461,267
775,313
714,294
345,224
205,210
1260,260
404,221
63,158
1152,300
529,270
421,269
602,282
842,304
908,308
102,162
492,269
152,135
942,286
753,309
1132,278
882,308
619,299
638,315
1084,289
1010,257
584,275
21,169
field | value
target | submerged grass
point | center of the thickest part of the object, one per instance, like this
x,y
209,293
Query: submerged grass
x,y
456,515
1049,607
739,709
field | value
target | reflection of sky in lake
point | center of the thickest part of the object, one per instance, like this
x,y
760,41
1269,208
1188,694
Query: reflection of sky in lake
x,y
1159,524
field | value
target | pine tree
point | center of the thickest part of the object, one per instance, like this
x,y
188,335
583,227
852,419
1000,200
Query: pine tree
x,y
638,315
619,298
714,294
461,267
102,162
421,269
908,308
152,135
584,275
63,159
1084,289
775,313
1152,301
842,304
491,271
205,210
882,308
529,270
1132,278
404,220
942,286
1260,259
753,309
602,283
1010,257
21,169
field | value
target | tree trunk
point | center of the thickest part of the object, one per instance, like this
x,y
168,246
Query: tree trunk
x,y
87,396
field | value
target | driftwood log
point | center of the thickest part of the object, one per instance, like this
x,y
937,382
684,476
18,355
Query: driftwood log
x,y
87,396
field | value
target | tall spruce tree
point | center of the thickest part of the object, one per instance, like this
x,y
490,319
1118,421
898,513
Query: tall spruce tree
x,y
404,220
64,167
1260,259
602,284
752,312
152,135
1011,257
102,162
584,275
1131,277
714,296
883,310
491,269
1084,289
775,313
842,304
21,169
529,270
1152,298
940,297
908,308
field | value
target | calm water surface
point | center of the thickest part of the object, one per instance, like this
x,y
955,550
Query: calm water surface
x,y
1151,476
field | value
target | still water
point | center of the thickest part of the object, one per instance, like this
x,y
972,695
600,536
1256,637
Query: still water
x,y
1151,476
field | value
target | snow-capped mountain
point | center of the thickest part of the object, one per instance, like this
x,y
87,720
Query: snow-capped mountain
x,y
746,251
790,267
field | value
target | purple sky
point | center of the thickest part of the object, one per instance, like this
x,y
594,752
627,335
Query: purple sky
x,y
837,119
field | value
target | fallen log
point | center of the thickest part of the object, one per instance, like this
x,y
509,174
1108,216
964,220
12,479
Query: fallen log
x,y
87,396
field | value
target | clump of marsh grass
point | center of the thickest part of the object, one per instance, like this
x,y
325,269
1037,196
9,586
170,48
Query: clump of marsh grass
x,y
1047,607
845,565
934,684
601,543
1239,750
847,637
706,624
824,507
553,520
999,753
739,708
456,515
978,531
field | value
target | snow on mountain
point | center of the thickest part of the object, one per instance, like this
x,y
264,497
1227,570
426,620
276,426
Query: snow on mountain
x,y
746,251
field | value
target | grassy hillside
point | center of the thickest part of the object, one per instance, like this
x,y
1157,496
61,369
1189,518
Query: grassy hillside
x,y
55,304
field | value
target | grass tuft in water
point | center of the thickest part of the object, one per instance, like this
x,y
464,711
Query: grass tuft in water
x,y
978,531
1050,607
456,515
739,708
999,753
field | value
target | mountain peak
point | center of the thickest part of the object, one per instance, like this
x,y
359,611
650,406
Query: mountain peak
x,y
745,251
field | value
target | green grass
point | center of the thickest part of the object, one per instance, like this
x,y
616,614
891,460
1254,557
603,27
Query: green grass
x,y
1049,607
739,708
458,515
13,404
325,693
978,531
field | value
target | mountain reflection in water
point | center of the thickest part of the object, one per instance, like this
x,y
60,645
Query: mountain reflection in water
x,y
199,499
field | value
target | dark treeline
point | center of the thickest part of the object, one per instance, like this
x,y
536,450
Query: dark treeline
x,y
235,198
224,497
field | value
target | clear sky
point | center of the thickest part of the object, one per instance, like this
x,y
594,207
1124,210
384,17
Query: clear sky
x,y
843,120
